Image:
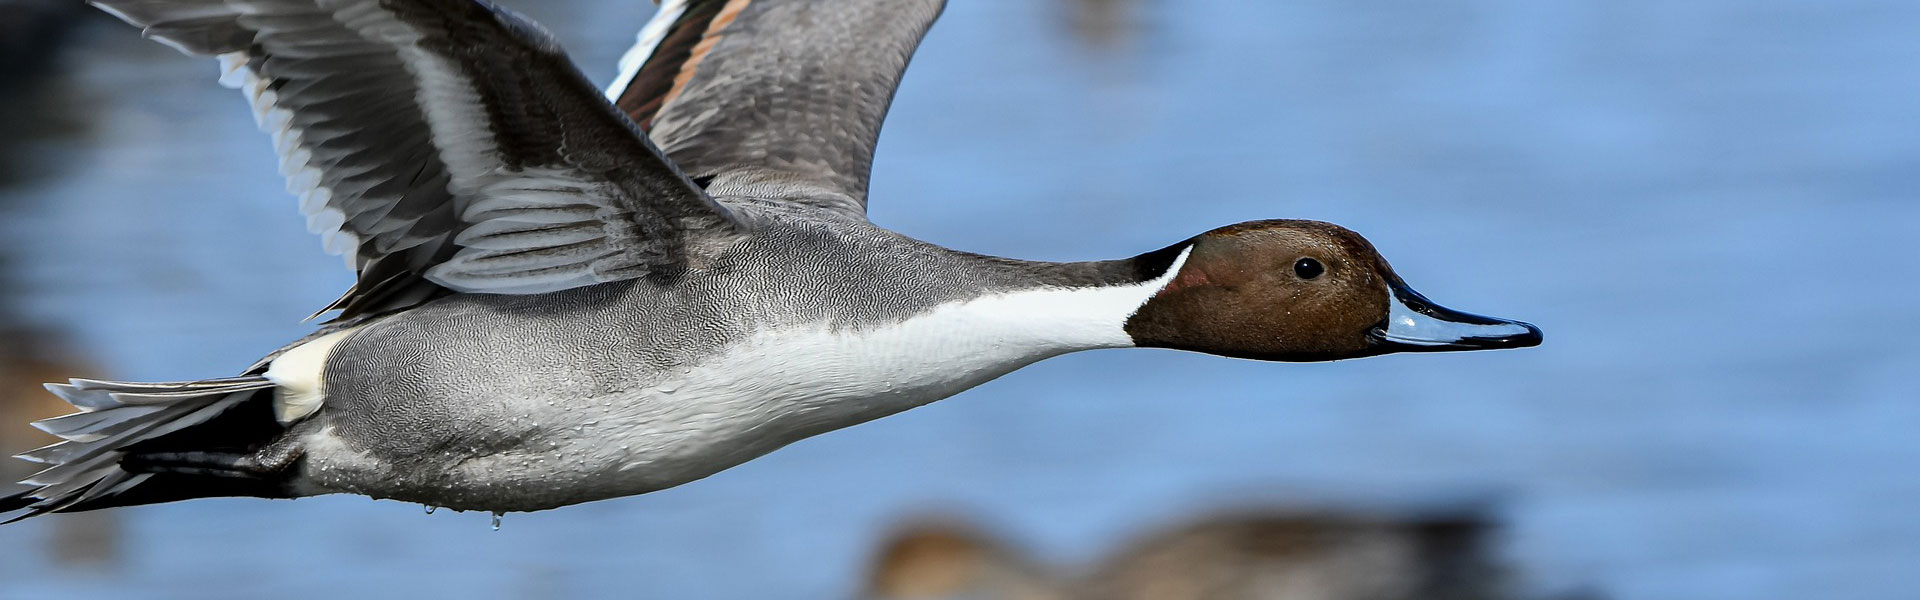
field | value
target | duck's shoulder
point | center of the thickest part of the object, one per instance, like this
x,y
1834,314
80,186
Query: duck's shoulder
x,y
777,219
781,233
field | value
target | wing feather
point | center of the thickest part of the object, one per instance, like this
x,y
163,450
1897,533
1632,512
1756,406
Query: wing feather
x,y
410,129
773,99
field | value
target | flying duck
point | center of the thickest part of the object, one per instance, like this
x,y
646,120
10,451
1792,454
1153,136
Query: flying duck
x,y
565,296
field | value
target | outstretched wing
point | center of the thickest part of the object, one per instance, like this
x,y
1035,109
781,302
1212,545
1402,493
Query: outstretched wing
x,y
772,98
443,145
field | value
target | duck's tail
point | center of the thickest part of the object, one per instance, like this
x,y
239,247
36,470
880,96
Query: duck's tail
x,y
133,443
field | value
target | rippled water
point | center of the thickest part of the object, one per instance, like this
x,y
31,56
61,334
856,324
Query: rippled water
x,y
1710,207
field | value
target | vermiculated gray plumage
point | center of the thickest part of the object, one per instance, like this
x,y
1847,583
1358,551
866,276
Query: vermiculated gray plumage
x,y
450,148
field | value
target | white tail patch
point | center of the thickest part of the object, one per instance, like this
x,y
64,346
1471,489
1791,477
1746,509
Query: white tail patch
x,y
297,377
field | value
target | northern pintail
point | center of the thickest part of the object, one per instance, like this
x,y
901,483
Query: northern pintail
x,y
565,297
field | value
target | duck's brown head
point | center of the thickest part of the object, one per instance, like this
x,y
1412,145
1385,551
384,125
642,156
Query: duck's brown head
x,y
1301,291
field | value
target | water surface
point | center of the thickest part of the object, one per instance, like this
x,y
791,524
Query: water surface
x,y
1709,206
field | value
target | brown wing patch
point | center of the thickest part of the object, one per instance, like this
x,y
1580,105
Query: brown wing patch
x,y
674,62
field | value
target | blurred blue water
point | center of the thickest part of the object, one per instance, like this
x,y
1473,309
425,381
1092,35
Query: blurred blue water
x,y
1709,206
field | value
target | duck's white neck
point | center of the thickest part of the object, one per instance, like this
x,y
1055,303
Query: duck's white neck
x,y
1046,321
964,343
784,384
941,351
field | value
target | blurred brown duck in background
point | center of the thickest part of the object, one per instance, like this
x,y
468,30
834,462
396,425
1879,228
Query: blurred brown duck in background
x,y
1268,555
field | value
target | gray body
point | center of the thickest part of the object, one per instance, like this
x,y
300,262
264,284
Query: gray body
x,y
525,402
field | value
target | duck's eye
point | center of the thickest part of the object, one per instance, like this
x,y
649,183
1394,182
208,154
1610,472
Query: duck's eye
x,y
1308,268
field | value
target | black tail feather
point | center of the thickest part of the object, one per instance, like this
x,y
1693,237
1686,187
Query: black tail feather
x,y
88,471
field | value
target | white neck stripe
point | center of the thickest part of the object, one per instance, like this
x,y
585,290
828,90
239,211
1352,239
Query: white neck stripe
x,y
1159,284
1059,320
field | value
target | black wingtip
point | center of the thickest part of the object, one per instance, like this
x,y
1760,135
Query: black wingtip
x,y
16,501
19,500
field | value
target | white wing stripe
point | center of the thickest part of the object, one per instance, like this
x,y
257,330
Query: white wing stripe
x,y
303,180
645,42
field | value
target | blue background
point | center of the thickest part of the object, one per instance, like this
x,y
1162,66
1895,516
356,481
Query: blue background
x,y
1709,206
